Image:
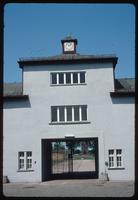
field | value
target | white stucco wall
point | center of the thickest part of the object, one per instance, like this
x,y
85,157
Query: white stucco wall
x,y
111,120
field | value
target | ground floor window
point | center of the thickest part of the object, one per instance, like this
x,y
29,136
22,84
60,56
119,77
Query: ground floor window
x,y
25,160
115,158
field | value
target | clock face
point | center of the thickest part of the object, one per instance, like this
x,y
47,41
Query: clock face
x,y
69,46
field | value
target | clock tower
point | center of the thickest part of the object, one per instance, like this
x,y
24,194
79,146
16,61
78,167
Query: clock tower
x,y
69,45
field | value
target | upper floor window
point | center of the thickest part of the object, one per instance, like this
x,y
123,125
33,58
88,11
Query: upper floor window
x,y
77,113
67,78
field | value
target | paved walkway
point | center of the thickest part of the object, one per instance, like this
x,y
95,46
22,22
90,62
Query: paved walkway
x,y
78,166
70,188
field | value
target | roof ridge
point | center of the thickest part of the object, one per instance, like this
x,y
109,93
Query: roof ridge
x,y
69,55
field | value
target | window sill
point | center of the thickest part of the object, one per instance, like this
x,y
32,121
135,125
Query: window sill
x,y
66,123
116,168
74,84
31,170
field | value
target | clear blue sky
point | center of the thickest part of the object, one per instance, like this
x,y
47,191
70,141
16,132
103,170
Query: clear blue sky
x,y
35,30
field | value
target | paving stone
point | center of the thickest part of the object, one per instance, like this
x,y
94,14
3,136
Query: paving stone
x,y
70,188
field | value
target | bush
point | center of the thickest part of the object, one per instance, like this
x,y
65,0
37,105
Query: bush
x,y
77,151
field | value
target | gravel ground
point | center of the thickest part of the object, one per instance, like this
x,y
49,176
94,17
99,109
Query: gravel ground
x,y
70,188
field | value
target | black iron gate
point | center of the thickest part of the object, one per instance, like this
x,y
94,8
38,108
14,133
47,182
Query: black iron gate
x,y
70,158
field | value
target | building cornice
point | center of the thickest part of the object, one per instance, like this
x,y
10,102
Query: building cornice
x,y
67,59
16,97
122,94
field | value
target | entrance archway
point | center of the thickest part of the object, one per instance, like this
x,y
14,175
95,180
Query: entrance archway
x,y
69,158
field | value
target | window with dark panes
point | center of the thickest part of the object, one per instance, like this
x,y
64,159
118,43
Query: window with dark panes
x,y
29,160
75,77
54,78
84,112
115,158
111,157
82,77
76,113
61,78
68,78
61,114
54,113
25,160
21,160
119,157
69,113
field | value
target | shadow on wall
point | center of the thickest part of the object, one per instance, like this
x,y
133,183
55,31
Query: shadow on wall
x,y
9,104
123,100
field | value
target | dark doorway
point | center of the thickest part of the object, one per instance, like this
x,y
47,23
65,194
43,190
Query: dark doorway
x,y
69,158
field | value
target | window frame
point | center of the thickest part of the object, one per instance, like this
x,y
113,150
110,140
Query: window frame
x,y
61,77
53,111
65,108
52,79
115,156
25,159
65,78
21,158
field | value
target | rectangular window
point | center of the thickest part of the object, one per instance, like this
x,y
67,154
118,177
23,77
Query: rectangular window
x,y
68,113
119,157
111,158
54,78
25,160
84,112
76,113
61,78
54,113
21,160
61,114
75,77
28,160
82,77
67,78
115,158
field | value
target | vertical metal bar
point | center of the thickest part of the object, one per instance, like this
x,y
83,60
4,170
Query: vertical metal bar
x,y
72,157
57,158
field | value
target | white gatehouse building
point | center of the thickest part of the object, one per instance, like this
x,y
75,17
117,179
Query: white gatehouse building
x,y
69,118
